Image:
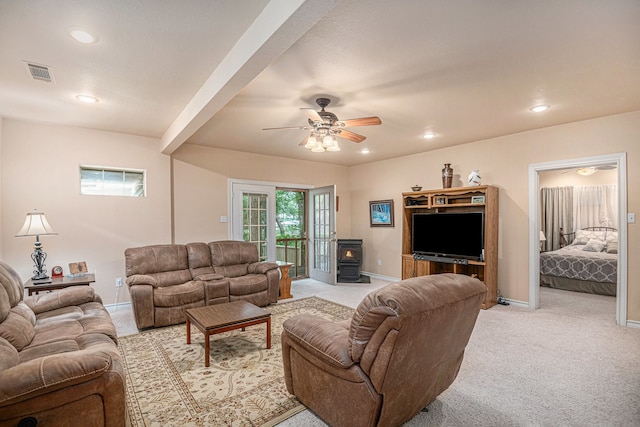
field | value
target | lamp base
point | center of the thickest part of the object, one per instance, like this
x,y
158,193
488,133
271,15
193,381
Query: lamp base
x,y
40,281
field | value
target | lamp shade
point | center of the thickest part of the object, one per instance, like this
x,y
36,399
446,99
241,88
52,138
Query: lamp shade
x,y
36,224
542,237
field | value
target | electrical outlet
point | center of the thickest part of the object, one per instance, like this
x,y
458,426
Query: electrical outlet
x,y
118,282
379,262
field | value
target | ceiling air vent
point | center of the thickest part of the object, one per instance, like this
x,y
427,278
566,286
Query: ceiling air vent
x,y
40,72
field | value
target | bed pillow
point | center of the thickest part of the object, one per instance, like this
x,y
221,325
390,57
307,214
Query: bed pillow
x,y
594,245
612,247
583,236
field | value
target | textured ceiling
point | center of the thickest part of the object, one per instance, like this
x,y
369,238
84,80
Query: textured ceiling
x,y
184,71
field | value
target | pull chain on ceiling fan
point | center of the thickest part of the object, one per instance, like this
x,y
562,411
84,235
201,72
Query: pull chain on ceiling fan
x,y
325,127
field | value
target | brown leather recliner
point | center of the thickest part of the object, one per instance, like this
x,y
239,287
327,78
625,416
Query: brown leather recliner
x,y
402,348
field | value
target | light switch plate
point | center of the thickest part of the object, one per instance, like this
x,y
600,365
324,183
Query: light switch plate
x,y
631,218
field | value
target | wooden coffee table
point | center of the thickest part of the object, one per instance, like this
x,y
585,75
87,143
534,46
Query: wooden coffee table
x,y
214,319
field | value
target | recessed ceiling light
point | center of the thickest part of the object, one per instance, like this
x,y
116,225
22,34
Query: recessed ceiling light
x,y
365,151
539,108
82,36
429,135
87,98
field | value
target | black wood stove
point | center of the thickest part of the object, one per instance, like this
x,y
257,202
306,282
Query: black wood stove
x,y
349,259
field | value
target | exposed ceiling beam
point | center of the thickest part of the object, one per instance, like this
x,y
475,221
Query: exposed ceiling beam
x,y
280,25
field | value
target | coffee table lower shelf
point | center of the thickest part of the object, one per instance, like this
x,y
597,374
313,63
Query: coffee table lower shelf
x,y
215,319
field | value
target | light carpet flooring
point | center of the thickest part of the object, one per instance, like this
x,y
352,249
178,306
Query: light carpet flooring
x,y
566,364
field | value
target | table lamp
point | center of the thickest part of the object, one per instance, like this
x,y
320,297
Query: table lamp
x,y
37,225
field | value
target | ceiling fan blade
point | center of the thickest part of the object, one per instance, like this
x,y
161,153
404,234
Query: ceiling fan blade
x,y
363,121
351,136
288,127
304,141
313,114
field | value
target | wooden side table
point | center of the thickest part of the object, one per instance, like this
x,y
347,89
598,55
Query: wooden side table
x,y
59,283
285,280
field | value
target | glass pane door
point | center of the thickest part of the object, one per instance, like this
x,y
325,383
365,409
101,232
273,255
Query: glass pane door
x,y
322,235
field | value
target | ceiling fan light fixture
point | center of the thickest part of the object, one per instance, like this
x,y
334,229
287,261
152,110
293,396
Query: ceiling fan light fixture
x,y
318,149
586,171
334,146
312,142
328,141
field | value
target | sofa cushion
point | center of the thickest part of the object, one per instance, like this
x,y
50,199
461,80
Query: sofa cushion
x,y
8,355
249,284
155,259
235,270
17,330
23,310
199,256
177,295
229,252
11,290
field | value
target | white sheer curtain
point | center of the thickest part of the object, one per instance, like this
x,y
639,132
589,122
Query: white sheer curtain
x,y
595,205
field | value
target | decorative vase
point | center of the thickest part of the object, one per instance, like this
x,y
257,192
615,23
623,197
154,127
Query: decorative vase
x,y
474,178
447,175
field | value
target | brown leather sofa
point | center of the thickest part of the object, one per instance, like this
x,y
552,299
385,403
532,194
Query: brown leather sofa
x,y
402,348
165,280
59,364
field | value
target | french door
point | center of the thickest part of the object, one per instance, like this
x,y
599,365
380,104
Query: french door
x,y
322,234
253,219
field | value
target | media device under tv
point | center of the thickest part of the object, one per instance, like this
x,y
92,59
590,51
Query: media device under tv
x,y
448,237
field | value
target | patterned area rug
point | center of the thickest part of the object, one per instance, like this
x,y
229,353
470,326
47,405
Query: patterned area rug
x,y
168,384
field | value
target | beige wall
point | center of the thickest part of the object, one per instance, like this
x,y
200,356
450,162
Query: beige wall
x,y
201,185
41,170
502,162
571,178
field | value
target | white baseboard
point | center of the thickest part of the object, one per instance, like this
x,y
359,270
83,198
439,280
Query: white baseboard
x,y
381,277
517,303
113,307
633,324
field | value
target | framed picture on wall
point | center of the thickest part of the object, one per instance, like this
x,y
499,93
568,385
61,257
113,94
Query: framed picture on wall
x,y
381,213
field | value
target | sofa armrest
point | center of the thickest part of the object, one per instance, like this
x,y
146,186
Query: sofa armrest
x,y
66,297
141,279
261,267
46,374
324,339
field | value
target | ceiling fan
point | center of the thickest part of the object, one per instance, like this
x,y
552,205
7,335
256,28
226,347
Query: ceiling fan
x,y
325,127
590,170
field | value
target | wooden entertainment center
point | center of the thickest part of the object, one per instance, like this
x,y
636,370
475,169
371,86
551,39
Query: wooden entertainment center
x,y
482,198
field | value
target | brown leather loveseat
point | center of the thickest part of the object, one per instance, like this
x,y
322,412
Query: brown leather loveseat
x,y
59,363
402,348
165,280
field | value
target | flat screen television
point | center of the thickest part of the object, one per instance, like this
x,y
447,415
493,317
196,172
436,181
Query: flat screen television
x,y
449,235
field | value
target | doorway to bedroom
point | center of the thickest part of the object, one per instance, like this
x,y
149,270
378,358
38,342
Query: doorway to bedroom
x,y
573,195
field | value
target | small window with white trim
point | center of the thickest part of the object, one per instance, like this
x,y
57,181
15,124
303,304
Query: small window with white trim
x,y
99,181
